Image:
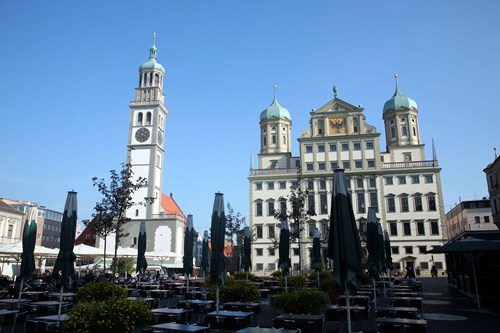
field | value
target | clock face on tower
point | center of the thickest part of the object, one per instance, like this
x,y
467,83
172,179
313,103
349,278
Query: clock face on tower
x,y
142,134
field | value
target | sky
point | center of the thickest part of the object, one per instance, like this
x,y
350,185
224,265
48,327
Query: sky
x,y
69,70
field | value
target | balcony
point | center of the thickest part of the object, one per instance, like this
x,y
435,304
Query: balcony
x,y
275,171
411,164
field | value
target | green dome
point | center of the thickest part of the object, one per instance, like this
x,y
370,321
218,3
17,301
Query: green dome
x,y
275,110
398,101
151,63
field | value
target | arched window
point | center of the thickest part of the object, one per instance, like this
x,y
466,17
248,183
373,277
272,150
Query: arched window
x,y
144,79
139,118
284,139
151,79
148,118
265,141
157,79
274,139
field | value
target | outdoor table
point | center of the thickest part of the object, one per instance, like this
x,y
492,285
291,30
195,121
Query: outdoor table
x,y
63,317
264,293
243,306
148,300
266,330
300,321
397,312
12,303
405,294
362,300
400,322
65,296
237,319
33,294
4,312
407,301
174,327
174,314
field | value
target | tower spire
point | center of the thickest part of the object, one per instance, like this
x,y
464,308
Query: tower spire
x,y
434,152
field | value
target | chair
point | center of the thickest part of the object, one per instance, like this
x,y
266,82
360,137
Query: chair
x,y
9,323
388,328
216,323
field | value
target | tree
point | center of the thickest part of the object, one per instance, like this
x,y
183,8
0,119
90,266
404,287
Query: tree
x,y
297,215
110,213
234,223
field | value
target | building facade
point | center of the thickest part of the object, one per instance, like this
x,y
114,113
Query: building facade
x,y
470,215
11,223
492,171
403,186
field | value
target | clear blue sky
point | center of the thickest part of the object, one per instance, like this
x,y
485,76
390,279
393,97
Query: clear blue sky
x,y
69,69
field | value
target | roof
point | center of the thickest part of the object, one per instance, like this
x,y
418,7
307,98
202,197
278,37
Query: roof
x,y
170,206
8,208
152,63
275,111
399,101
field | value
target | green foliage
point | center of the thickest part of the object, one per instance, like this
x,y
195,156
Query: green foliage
x,y
303,301
99,291
276,274
238,290
234,223
112,315
124,265
294,282
240,275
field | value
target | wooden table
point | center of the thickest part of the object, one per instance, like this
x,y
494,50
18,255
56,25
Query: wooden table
x,y
174,327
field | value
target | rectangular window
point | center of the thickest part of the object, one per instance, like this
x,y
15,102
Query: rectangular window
x,y
258,186
258,209
409,250
333,147
271,231
424,265
295,251
10,231
309,167
321,149
310,185
323,203
388,181
415,179
272,251
283,206
369,145
259,267
395,250
422,249
357,146
270,186
310,203
371,163
361,202
420,228
270,208
309,149
429,179
324,230
406,229
321,166
402,180
282,185
434,228
431,200
374,200
259,252
477,219
312,227
404,204
271,266
258,231
359,183
418,204
334,165
391,205
358,164
347,165
371,182
486,219
345,147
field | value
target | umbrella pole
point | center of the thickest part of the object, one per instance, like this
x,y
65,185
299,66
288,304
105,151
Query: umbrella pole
x,y
475,284
217,298
21,288
348,307
286,285
60,301
374,296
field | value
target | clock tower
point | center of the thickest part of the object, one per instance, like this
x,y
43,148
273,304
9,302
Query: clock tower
x,y
145,147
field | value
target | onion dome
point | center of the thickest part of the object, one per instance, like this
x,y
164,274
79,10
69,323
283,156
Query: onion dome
x,y
399,101
275,110
152,63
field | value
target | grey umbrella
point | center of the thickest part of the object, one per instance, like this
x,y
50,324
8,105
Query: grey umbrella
x,y
374,244
316,254
142,264
246,261
284,262
65,262
29,239
204,254
187,262
344,245
218,231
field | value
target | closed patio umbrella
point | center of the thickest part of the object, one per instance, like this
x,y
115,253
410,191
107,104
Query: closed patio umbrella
x,y
142,263
204,254
29,239
316,254
375,250
218,231
344,245
284,262
246,262
65,262
187,262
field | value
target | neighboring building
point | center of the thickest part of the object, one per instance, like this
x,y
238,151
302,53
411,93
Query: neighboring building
x,y
492,171
11,223
48,223
165,222
87,236
471,215
401,183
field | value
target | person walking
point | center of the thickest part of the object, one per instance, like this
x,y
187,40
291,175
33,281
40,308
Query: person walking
x,y
434,271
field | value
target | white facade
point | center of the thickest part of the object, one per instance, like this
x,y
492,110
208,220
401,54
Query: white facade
x,y
403,185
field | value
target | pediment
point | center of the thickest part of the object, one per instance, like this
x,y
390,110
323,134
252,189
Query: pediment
x,y
337,105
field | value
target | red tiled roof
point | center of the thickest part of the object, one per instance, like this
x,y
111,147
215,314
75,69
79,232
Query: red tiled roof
x,y
6,207
170,206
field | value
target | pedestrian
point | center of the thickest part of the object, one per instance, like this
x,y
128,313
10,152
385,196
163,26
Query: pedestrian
x,y
410,275
434,271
